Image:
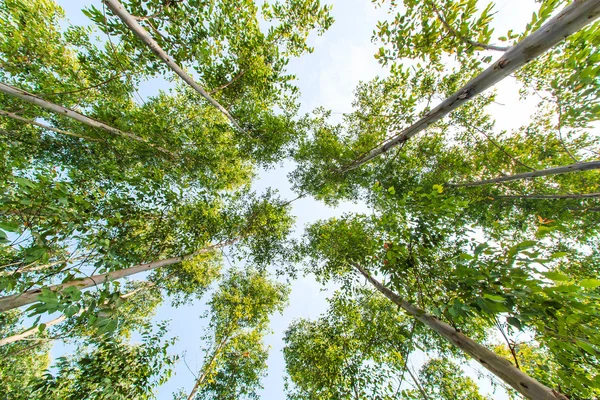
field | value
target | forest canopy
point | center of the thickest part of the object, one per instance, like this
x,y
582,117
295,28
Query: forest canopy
x,y
477,250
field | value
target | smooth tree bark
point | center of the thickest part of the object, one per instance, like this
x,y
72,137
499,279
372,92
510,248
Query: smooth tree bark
x,y
586,166
207,368
117,8
32,331
33,99
502,368
571,19
548,196
46,127
31,296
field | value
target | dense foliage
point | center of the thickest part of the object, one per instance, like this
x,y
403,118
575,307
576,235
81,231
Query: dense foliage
x,y
99,183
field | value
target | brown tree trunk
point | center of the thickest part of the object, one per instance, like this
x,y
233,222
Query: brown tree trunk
x,y
499,366
571,19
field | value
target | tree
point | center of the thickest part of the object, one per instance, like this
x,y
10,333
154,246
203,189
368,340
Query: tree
x,y
110,369
239,316
441,379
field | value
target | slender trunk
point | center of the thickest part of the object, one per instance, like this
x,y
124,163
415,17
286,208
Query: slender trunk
x,y
549,196
117,8
30,296
417,383
32,267
534,174
499,366
33,99
207,368
571,19
30,332
56,321
50,128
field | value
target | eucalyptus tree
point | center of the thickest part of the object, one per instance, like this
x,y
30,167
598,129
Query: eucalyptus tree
x,y
442,379
355,351
239,312
436,273
110,369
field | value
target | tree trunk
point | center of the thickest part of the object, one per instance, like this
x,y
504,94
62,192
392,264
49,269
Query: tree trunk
x,y
30,296
50,128
534,174
117,8
548,196
56,321
33,99
207,368
571,19
499,366
30,332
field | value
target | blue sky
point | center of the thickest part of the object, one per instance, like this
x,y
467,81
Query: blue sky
x,y
327,77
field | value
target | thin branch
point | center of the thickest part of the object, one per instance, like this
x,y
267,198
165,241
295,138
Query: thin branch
x,y
548,196
112,78
578,167
50,128
464,39
416,381
233,80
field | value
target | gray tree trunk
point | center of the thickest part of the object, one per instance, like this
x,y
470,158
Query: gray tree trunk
x,y
534,174
117,8
30,296
33,99
571,19
499,366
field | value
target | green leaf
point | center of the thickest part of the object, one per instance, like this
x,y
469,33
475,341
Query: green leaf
x,y
556,276
493,297
590,283
514,322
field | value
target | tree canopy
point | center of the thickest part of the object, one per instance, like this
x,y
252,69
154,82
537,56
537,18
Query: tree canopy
x,y
479,247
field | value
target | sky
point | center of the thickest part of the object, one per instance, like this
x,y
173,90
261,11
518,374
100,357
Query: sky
x,y
342,58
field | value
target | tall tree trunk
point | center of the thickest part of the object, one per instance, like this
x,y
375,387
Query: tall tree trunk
x,y
30,332
56,321
30,296
50,128
571,19
549,196
534,174
117,8
33,99
499,366
208,367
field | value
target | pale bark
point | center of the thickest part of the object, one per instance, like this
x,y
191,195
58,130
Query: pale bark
x,y
50,128
33,99
207,368
534,174
30,332
31,296
502,368
571,19
548,196
117,8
